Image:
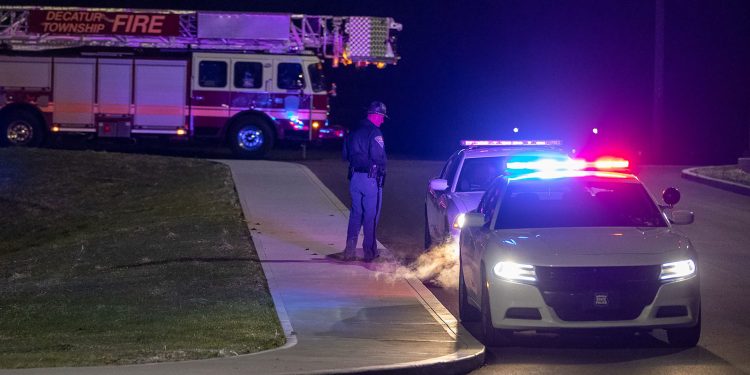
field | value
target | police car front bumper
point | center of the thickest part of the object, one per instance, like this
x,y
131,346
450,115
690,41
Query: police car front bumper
x,y
518,306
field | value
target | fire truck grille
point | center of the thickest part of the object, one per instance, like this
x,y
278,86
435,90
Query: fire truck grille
x,y
598,293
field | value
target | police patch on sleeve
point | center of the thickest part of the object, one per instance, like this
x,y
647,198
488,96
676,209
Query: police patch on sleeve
x,y
379,139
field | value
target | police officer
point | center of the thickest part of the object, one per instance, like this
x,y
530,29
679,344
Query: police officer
x,y
364,150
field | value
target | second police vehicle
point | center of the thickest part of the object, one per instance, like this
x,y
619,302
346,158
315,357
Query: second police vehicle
x,y
463,180
561,244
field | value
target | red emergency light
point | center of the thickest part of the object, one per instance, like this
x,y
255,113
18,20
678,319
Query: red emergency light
x,y
610,163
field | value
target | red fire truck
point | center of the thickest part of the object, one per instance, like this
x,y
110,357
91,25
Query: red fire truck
x,y
246,80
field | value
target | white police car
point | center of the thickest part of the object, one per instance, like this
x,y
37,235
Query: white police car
x,y
577,249
463,180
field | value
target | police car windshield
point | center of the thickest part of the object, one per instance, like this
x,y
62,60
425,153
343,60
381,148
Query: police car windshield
x,y
576,203
478,173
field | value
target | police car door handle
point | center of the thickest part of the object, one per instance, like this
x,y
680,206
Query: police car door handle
x,y
198,97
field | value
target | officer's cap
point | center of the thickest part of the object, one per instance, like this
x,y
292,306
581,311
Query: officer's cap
x,y
378,108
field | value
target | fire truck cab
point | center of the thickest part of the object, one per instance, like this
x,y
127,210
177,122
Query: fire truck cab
x,y
243,89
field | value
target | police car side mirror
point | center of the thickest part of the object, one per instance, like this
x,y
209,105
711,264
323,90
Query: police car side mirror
x,y
681,217
473,220
670,196
439,184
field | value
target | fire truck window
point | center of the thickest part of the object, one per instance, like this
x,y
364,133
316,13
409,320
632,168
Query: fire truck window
x,y
248,75
290,76
212,74
317,79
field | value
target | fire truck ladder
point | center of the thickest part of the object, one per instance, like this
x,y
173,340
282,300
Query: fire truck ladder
x,y
345,39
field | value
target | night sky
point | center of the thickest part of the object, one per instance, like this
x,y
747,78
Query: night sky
x,y
554,69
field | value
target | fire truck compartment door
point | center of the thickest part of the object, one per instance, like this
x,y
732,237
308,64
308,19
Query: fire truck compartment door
x,y
115,86
160,90
27,72
73,91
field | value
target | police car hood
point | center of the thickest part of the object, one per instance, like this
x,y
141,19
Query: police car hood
x,y
592,246
467,201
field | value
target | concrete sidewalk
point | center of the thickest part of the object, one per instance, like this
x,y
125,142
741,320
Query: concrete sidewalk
x,y
346,317
337,317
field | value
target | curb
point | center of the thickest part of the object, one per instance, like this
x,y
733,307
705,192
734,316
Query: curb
x,y
690,174
462,361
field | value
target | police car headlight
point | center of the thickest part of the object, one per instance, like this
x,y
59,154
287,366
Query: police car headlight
x,y
459,221
677,270
515,271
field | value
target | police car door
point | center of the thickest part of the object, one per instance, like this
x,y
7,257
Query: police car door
x,y
475,238
441,199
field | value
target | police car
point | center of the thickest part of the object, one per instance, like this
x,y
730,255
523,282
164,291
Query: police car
x,y
463,180
565,245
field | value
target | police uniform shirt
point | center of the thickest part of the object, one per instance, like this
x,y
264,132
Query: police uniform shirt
x,y
364,147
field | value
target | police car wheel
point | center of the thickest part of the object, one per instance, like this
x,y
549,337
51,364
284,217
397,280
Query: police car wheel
x,y
21,128
685,337
250,137
491,336
466,311
427,236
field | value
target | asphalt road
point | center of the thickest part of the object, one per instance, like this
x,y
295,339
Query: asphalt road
x,y
721,234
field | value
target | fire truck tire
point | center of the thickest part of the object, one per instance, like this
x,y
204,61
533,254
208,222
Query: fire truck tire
x,y
21,128
250,137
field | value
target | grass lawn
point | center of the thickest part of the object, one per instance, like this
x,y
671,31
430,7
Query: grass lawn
x,y
731,173
109,258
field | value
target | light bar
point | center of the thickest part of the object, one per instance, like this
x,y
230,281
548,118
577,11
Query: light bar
x,y
547,165
468,143
544,164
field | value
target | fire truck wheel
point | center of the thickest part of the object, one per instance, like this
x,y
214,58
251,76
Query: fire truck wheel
x,y
21,128
250,137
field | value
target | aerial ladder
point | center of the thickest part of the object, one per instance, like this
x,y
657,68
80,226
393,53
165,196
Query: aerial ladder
x,y
342,39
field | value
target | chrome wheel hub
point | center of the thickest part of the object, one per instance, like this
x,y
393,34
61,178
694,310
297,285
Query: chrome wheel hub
x,y
20,132
250,138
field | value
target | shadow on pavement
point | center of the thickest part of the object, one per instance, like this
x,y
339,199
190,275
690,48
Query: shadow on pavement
x,y
539,349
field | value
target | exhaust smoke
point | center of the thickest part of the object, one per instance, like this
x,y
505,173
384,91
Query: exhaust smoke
x,y
437,266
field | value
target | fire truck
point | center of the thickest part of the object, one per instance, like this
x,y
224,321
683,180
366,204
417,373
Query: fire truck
x,y
245,80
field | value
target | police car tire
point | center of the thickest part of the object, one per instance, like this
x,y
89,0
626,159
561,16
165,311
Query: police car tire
x,y
24,118
427,236
466,312
243,122
685,337
491,336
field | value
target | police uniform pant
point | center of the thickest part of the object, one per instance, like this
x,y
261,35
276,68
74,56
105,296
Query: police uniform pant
x,y
366,202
